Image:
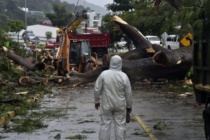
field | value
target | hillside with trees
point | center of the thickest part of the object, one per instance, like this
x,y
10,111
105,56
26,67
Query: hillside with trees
x,y
10,9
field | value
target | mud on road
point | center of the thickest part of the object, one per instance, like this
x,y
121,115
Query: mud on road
x,y
76,118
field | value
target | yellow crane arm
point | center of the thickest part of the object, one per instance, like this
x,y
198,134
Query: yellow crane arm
x,y
79,18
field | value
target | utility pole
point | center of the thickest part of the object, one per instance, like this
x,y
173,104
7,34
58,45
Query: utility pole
x,y
25,16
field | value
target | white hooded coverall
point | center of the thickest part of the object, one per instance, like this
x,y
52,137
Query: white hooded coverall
x,y
113,92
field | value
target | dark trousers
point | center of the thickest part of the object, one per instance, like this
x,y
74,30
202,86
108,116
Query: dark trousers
x,y
206,117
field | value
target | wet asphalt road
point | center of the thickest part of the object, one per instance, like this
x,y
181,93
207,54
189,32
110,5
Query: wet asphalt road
x,y
180,120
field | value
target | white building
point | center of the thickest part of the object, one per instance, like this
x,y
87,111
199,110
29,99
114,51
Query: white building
x,y
24,9
94,20
40,30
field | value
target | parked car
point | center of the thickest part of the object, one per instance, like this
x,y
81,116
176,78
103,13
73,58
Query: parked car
x,y
153,39
172,42
29,36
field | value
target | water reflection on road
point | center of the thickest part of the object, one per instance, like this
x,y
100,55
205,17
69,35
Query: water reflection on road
x,y
180,119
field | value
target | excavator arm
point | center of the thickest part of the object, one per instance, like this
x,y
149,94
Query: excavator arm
x,y
64,51
79,17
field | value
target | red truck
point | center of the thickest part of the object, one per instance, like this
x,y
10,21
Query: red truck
x,y
99,42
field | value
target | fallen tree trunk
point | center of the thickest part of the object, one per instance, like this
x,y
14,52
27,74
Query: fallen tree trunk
x,y
23,62
34,79
146,69
142,69
139,53
134,54
144,48
161,56
26,80
135,35
30,59
168,58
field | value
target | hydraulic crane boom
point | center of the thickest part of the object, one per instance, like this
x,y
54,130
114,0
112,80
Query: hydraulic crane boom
x,y
76,22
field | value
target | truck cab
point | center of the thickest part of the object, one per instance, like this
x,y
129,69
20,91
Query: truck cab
x,y
79,49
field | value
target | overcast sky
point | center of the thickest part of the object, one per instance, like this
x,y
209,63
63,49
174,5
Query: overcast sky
x,y
101,3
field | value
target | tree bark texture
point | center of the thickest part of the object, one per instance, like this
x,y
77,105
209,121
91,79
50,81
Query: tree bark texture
x,y
168,58
23,62
135,35
145,69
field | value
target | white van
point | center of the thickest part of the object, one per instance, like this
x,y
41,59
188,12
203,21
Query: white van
x,y
172,42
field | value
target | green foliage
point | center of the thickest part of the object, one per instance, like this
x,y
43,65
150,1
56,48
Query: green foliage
x,y
7,70
149,21
57,113
21,52
48,35
181,89
12,11
3,20
120,5
34,120
193,16
9,9
109,26
15,25
6,108
159,126
78,137
60,17
28,125
144,17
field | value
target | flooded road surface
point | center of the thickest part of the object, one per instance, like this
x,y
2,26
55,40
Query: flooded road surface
x,y
167,119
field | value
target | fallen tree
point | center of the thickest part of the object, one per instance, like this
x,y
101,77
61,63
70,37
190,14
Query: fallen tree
x,y
141,69
27,63
146,61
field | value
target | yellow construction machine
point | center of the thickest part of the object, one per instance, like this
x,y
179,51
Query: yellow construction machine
x,y
74,54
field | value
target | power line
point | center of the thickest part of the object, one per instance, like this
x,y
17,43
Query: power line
x,y
76,7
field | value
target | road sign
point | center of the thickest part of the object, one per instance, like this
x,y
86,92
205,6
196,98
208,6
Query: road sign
x,y
187,40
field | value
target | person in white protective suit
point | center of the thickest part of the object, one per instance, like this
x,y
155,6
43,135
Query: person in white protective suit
x,y
113,93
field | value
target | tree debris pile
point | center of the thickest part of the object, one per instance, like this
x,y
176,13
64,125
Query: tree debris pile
x,y
16,98
25,77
